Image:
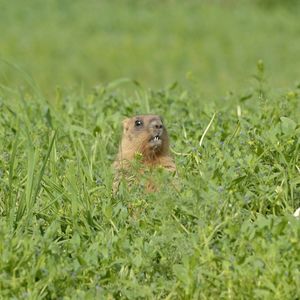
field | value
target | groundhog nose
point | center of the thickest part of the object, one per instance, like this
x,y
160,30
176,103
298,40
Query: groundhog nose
x,y
157,124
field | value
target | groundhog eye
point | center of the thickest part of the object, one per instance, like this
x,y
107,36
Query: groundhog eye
x,y
138,123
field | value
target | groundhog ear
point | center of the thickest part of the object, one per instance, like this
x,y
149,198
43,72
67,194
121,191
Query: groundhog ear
x,y
125,124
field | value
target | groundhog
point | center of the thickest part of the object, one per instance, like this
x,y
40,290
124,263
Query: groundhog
x,y
143,135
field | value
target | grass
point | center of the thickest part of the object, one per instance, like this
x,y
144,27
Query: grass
x,y
228,233
63,44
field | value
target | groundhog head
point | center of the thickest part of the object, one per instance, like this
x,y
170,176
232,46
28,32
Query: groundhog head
x,y
145,134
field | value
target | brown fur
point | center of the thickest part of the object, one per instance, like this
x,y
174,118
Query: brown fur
x,y
140,139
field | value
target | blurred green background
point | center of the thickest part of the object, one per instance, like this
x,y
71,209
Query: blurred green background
x,y
212,46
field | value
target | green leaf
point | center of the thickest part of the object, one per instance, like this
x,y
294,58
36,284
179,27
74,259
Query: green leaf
x,y
288,126
181,273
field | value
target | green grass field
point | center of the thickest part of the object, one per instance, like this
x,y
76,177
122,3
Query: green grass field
x,y
225,75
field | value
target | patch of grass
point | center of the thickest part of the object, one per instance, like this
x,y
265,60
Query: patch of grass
x,y
228,232
209,46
